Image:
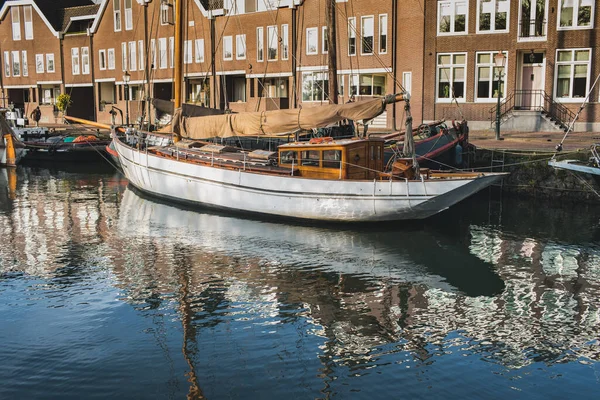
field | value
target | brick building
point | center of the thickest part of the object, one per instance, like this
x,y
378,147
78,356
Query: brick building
x,y
248,55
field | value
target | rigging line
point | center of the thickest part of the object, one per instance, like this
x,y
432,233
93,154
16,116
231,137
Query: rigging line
x,y
584,182
572,124
454,99
201,66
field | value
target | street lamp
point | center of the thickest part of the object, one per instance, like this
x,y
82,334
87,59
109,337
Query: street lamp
x,y
126,78
499,61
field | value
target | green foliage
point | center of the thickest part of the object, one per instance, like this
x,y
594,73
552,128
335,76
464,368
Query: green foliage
x,y
63,102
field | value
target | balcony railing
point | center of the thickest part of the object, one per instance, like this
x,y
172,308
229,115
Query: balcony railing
x,y
532,28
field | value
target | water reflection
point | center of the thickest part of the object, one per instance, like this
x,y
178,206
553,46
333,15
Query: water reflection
x,y
313,311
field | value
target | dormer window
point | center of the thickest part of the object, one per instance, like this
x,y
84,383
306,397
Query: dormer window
x,y
167,13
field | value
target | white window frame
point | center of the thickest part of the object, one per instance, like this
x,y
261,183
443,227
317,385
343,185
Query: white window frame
x,y
407,81
28,15
75,62
285,38
491,65
324,48
199,51
24,64
141,51
494,8
111,59
452,67
85,60
352,35
260,44
15,17
315,32
227,48
16,63
272,42
132,56
102,60
117,15
128,15
453,5
50,57
572,63
153,53
574,25
187,52
240,45
171,52
39,62
383,30
124,56
316,74
7,66
162,53
362,35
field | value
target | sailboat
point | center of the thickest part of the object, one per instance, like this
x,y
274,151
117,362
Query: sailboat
x,y
324,179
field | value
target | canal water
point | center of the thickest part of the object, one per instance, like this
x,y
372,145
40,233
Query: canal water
x,y
105,293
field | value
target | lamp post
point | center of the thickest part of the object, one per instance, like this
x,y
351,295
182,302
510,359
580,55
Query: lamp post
x,y
499,61
126,78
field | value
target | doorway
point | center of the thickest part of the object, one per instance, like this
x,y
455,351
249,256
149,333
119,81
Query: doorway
x,y
531,93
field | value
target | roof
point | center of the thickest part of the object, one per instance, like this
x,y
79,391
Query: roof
x,y
52,15
66,14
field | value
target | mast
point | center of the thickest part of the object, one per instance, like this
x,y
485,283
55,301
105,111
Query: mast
x,y
147,66
178,67
331,51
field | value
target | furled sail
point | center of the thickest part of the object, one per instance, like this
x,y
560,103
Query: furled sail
x,y
278,121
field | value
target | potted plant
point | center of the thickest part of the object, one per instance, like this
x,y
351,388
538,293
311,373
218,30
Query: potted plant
x,y
63,101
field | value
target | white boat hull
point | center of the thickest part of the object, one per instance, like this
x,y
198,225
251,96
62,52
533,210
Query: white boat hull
x,y
19,152
294,197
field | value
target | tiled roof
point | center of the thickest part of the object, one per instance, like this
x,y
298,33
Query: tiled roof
x,y
66,14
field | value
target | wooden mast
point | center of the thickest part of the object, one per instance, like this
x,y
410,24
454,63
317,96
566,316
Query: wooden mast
x,y
331,51
178,61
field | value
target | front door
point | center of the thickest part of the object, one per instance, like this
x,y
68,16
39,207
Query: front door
x,y
532,81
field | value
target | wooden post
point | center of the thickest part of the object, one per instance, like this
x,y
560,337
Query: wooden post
x,y
178,61
331,52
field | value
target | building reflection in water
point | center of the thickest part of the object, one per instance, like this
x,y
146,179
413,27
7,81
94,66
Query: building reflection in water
x,y
363,293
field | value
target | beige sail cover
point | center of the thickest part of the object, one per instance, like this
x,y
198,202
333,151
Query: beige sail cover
x,y
274,122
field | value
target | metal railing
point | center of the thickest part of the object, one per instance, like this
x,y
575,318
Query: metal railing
x,y
532,28
534,100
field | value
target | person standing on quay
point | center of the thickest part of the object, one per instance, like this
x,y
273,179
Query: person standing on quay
x,y
36,115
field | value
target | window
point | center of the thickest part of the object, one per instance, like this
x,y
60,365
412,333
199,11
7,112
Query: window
x,y
572,73
16,63
312,41
171,52
487,77
288,157
311,158
153,52
227,48
367,35
272,43
452,17
315,86
111,58
285,51
166,13
117,15
492,15
187,52
162,53
102,59
352,36
39,63
124,56
332,158
107,92
25,66
141,52
16,22
324,41
367,85
240,47
273,87
7,64
451,76
260,44
28,22
383,34
199,51
85,60
75,60
132,57
407,81
576,13
50,63
49,93
128,16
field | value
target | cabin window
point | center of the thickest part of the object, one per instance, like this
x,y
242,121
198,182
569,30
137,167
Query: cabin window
x,y
16,22
312,41
272,43
576,13
28,22
128,15
352,36
367,30
332,158
75,60
39,64
117,14
85,60
25,67
311,158
285,51
111,58
240,47
288,157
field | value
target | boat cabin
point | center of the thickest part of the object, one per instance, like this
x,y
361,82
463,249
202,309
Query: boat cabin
x,y
325,158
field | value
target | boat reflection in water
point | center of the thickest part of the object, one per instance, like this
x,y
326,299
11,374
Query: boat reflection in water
x,y
119,282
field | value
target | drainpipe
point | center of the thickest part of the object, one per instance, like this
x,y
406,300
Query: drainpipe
x,y
212,60
394,55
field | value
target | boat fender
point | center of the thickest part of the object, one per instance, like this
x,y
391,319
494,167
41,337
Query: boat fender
x,y
458,154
